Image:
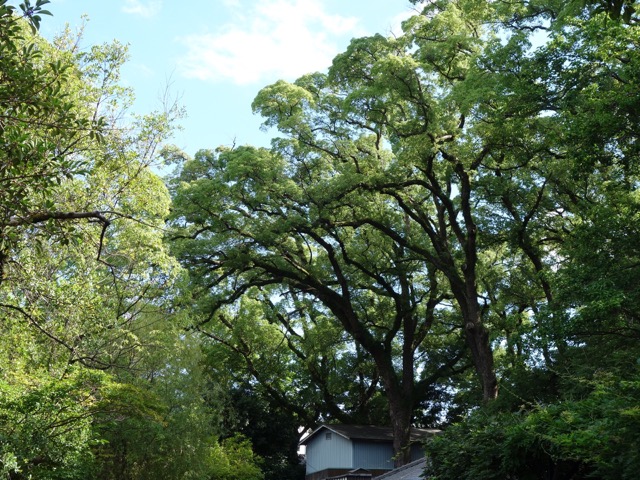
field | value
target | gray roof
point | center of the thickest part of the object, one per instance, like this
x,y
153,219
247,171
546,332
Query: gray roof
x,y
368,432
410,471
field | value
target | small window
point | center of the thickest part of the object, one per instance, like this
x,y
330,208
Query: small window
x,y
327,436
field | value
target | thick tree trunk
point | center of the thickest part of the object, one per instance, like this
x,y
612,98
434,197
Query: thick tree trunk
x,y
477,338
401,398
465,287
401,413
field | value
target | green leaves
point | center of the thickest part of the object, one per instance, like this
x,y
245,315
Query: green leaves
x,y
46,424
45,121
233,459
33,12
100,363
283,104
589,435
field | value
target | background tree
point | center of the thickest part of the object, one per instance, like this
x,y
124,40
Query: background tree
x,y
569,95
447,211
41,126
99,378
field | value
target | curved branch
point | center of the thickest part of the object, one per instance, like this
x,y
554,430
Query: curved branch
x,y
20,221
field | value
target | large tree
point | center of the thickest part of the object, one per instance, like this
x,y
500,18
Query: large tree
x,y
43,123
379,206
98,378
450,184
292,246
575,91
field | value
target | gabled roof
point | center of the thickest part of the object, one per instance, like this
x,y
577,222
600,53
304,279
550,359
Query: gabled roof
x,y
367,432
410,471
357,474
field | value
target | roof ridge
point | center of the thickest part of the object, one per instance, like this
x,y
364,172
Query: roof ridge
x,y
367,432
406,466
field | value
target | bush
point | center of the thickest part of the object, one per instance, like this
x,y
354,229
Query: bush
x,y
597,436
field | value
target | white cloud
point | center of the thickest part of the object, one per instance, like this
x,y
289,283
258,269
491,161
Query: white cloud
x,y
144,9
395,26
272,39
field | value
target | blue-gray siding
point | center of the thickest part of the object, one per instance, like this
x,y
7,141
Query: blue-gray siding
x,y
328,453
417,452
378,456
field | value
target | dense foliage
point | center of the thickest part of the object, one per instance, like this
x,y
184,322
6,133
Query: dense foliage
x,y
595,435
446,233
98,378
458,199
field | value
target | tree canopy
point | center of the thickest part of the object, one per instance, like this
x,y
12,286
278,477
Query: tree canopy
x,y
430,196
444,233
99,378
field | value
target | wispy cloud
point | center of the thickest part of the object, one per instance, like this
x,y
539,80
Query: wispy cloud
x,y
395,25
267,40
145,9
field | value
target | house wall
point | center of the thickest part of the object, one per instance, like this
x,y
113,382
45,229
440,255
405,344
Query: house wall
x,y
333,472
370,455
323,453
417,451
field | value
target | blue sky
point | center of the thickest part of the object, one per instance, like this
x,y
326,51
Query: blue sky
x,y
217,54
